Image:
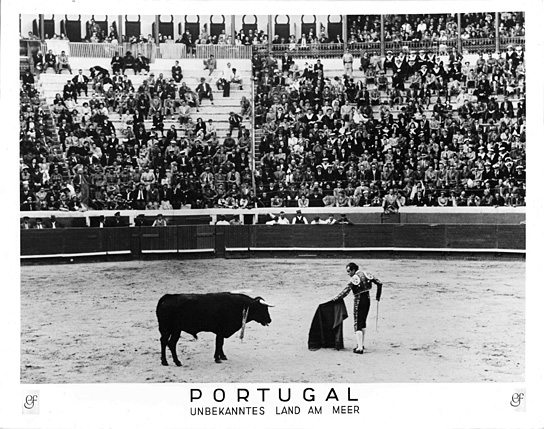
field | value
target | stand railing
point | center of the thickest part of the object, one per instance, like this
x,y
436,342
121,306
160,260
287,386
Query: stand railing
x,y
313,50
180,51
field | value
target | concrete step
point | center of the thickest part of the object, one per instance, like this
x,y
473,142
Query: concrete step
x,y
191,78
220,104
232,102
219,125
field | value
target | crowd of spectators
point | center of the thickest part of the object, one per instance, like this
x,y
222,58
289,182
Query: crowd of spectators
x,y
417,130
436,27
512,24
136,167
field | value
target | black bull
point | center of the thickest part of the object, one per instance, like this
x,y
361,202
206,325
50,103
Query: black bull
x,y
220,313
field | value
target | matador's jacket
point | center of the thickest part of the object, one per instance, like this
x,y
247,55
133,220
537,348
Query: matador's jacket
x,y
360,284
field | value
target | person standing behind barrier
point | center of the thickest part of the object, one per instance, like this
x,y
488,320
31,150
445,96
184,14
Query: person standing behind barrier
x,y
299,219
25,224
330,220
360,284
160,221
344,220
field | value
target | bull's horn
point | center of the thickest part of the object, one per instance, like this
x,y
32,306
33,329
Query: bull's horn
x,y
263,302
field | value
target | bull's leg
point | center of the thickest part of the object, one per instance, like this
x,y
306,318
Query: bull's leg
x,y
164,343
219,355
172,346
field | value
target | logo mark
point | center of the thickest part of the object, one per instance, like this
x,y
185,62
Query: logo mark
x,y
31,403
517,400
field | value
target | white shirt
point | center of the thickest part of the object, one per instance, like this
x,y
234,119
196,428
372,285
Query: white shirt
x,y
282,221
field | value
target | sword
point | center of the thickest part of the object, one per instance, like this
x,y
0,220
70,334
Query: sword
x,y
377,311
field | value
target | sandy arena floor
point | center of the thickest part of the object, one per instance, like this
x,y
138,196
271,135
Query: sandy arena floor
x,y
439,321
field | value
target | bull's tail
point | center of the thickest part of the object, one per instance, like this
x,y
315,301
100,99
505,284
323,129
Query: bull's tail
x,y
162,314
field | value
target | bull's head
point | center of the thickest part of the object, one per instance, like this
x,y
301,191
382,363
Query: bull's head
x,y
259,311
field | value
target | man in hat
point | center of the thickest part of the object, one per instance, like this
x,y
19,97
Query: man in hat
x,y
128,61
26,223
53,222
116,221
389,61
69,90
101,221
39,224
299,219
366,199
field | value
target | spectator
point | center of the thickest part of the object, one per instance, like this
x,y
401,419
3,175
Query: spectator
x,y
81,83
236,78
63,63
39,224
221,220
210,64
177,73
117,63
344,220
25,224
299,219
204,90
278,220
50,60
330,220
347,60
141,63
160,221
235,121
39,61
129,62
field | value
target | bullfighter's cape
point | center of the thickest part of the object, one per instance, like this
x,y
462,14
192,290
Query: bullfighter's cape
x,y
326,329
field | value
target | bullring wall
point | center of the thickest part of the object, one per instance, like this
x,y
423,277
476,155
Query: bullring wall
x,y
358,215
220,241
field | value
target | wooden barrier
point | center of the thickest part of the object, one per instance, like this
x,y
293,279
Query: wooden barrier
x,y
217,240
